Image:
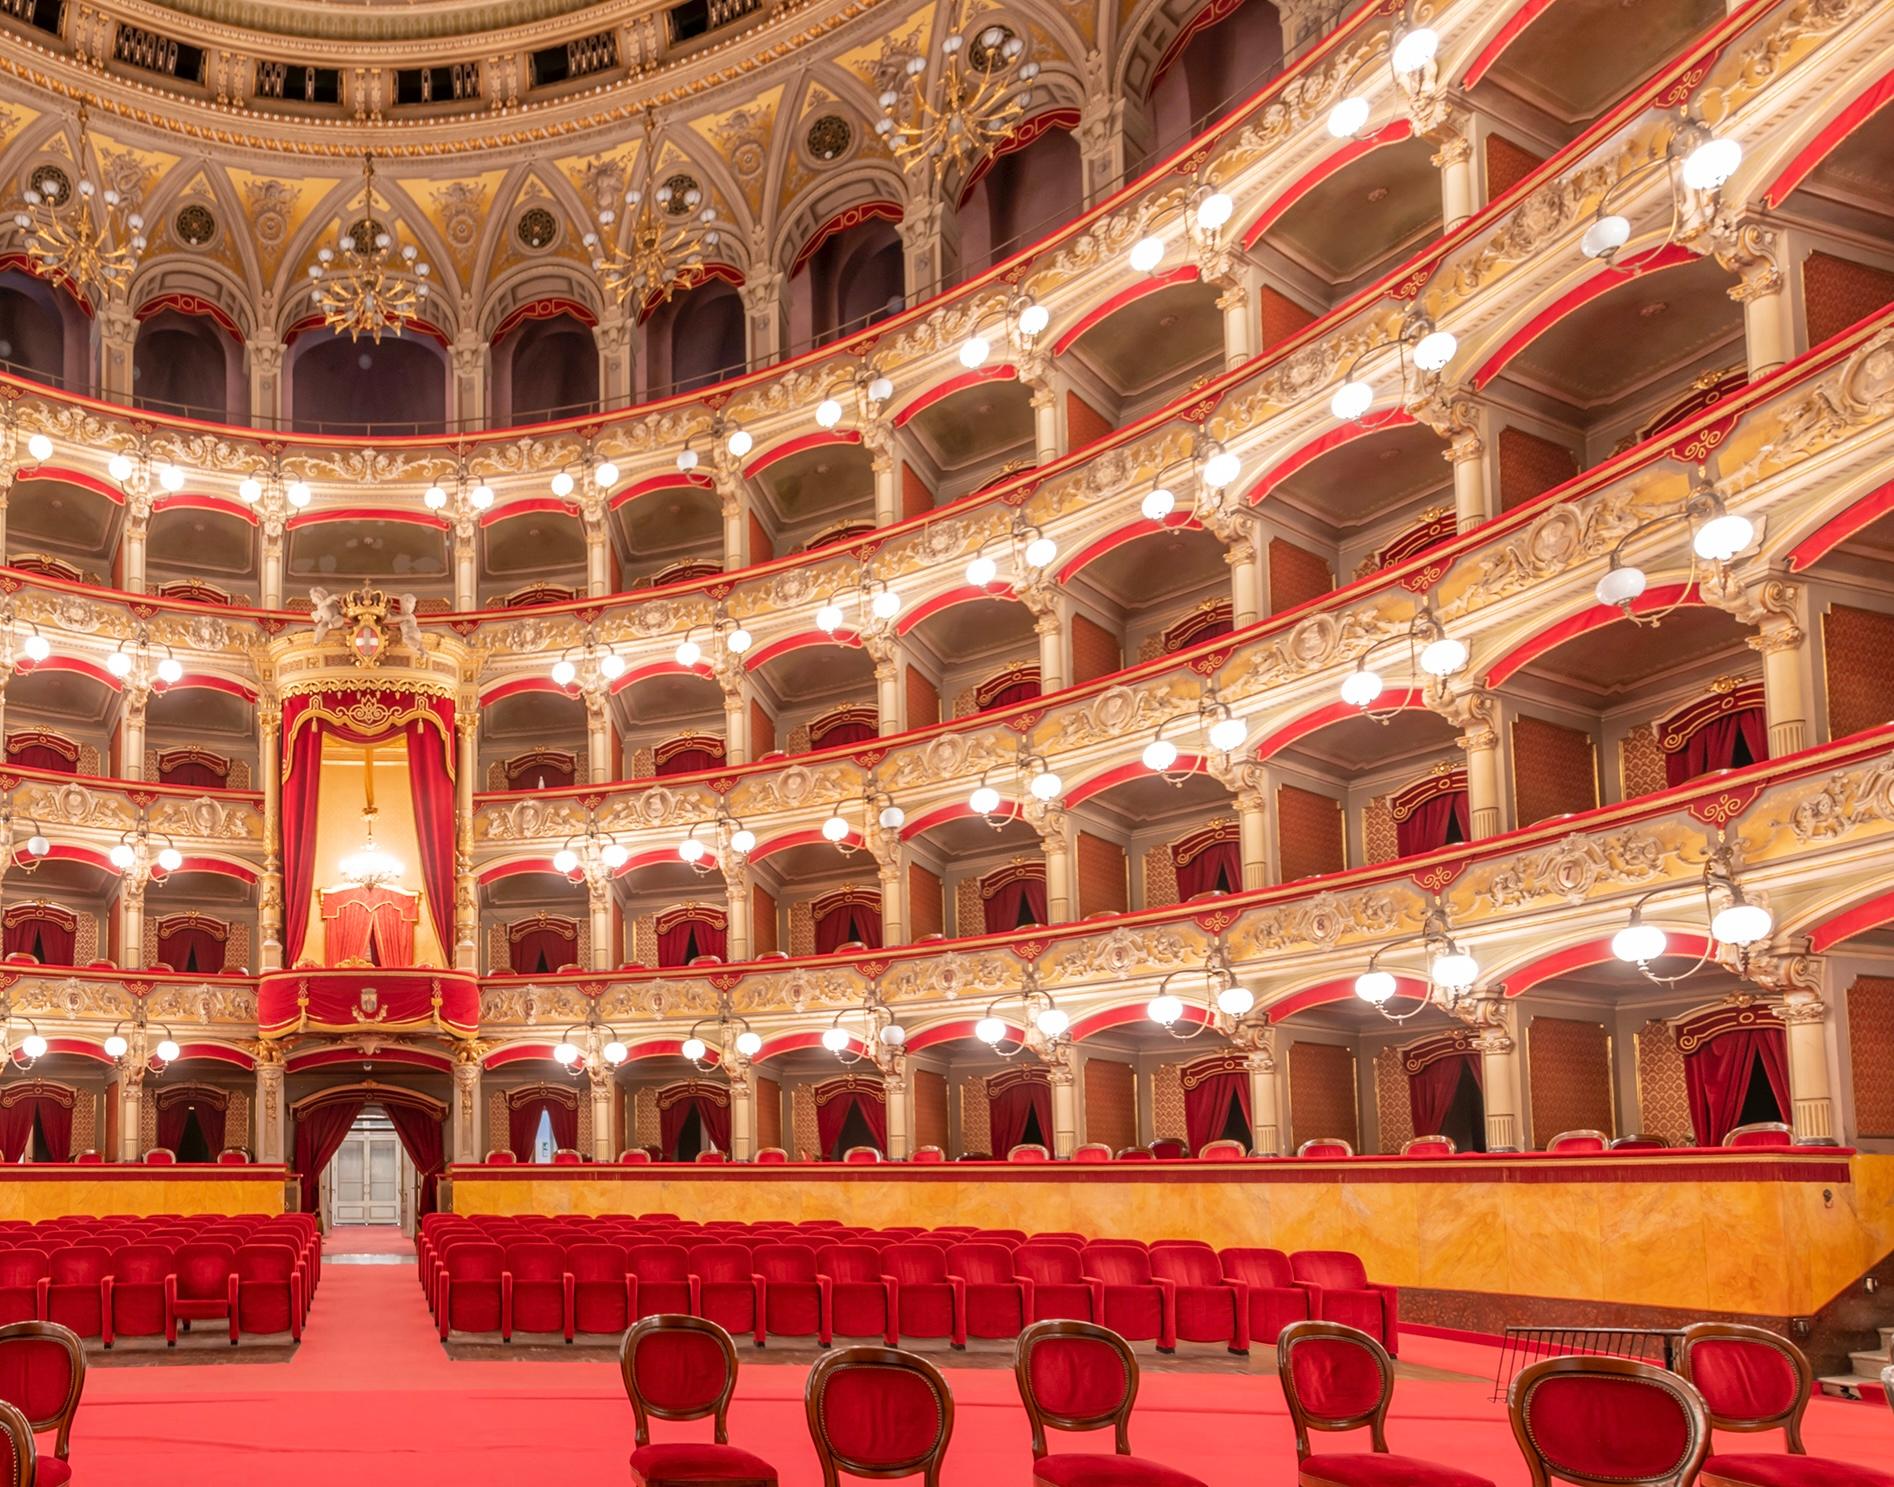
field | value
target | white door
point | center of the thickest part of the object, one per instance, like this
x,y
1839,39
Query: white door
x,y
365,1179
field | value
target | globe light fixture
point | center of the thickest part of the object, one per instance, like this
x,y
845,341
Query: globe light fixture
x,y
749,1043
1164,1009
743,840
1147,254
1711,163
973,352
33,1046
1638,943
1052,1022
1722,537
565,860
1235,1001
1742,923
885,604
1159,755
1361,686
982,571
1157,504
298,494
250,491
739,443
1621,584
36,647
828,413
1454,969
1214,210
565,1054
835,829
39,447
562,483
1347,117
691,850
1375,987
1034,319
828,619
1415,50
892,817
1435,350
1605,236
1046,785
615,1053
1041,552
984,801
834,1039
989,1030
167,1051
1227,734
688,653
1351,400
1221,469
694,1049
170,859
434,497
117,1046
1443,657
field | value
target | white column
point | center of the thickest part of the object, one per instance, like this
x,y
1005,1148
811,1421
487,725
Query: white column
x,y
131,1100
890,700
742,1106
736,721
599,1085
1786,688
600,767
1242,322
131,921
1473,495
117,330
1771,336
598,565
270,1115
898,1091
1050,628
263,361
1062,1074
466,568
1047,421
1459,190
1246,581
131,551
1057,847
762,295
270,897
736,526
1252,827
598,900
467,403
1811,1086
465,1113
1499,1082
270,595
131,732
887,488
894,906
736,902
1265,1112
614,336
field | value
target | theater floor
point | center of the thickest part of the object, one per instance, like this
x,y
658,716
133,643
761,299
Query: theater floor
x,y
371,1398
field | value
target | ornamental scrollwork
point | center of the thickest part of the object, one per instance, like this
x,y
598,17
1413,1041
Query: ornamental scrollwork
x,y
1573,869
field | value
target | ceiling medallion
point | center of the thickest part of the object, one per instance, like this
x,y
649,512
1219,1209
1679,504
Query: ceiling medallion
x,y
829,136
194,225
949,116
680,194
362,286
651,258
88,238
537,228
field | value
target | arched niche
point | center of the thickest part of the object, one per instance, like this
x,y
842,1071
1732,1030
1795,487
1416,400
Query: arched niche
x,y
544,368
336,385
188,364
694,339
855,276
1227,52
44,333
1023,193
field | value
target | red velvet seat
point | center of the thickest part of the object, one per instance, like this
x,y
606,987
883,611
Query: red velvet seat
x,y
1079,1376
535,1290
1060,1288
1761,1133
140,1277
928,1154
1578,1143
1588,1419
19,1455
42,1375
1169,1149
1325,1149
634,1156
861,1301
1429,1146
727,1289
25,1275
202,1288
684,1368
879,1412
472,1291
998,1302
1209,1305
1275,1300
1222,1151
928,1301
1753,1380
601,1287
160,1156
1029,1151
661,1280
771,1156
1340,1291
1135,1154
794,1294
1137,1305
501,1159
77,1296
1091,1151
269,1290
1337,1378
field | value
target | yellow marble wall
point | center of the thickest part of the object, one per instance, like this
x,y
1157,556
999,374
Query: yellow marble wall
x,y
39,1197
1762,1247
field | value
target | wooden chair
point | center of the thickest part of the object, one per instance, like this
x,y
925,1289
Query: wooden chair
x,y
928,1154
1429,1146
1092,1151
1222,1151
1028,1151
1658,1435
1639,1142
856,1154
879,1412
1076,1375
1578,1143
19,1458
42,1365
1325,1147
684,1368
1761,1133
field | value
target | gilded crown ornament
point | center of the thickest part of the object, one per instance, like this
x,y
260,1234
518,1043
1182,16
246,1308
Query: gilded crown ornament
x,y
363,286
88,237
370,620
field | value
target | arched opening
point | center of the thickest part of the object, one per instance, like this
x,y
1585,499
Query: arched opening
x,y
667,531
64,529
812,496
1021,195
534,557
978,433
1135,600
544,369
694,339
191,366
340,386
513,729
1139,357
198,552
1125,837
856,277
401,555
539,920
671,722
956,661
44,334
794,688
1226,57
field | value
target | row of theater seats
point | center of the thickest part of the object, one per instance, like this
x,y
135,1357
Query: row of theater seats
x,y
146,1277
822,1280
882,1412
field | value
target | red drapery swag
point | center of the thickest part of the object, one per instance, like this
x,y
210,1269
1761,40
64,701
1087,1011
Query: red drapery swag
x,y
38,750
540,770
688,755
835,1099
1430,1090
195,767
1014,897
1013,692
675,1106
847,727
1207,866
192,942
686,933
365,716
369,925
840,918
320,1132
423,1137
40,930
1011,1098
178,1104
523,1107
1434,823
1211,1086
1717,1074
542,944
51,1105
1714,746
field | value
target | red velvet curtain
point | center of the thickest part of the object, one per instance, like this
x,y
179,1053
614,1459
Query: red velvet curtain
x,y
172,1119
423,1137
845,922
55,1124
348,922
1713,746
42,756
688,761
320,1133
1428,825
565,1123
38,935
522,1125
192,949
1022,691
830,1119
1217,866
544,948
1717,1075
431,781
837,734
1430,1092
686,938
394,917
1007,1113
1023,900
302,780
16,1128
714,1118
539,775
210,1120
193,772
1207,1106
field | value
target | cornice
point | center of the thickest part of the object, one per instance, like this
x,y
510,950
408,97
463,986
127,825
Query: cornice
x,y
470,21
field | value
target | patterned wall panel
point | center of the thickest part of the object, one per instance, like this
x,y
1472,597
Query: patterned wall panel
x,y
1322,1093
1111,1103
763,934
1507,164
1569,1063
1282,317
644,940
1160,877
236,945
805,1138
643,763
1871,1054
1308,833
1167,1104
1858,661
1380,842
769,1110
645,1123
926,910
1640,763
85,1123
1101,875
801,929
1296,575
762,731
976,1124
930,1108
237,1133
1095,651
1084,424
1553,770
494,1123
1530,466
1663,1099
923,699
969,908
1836,292
1394,1111
916,498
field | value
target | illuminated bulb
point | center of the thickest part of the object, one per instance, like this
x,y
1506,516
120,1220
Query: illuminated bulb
x,y
1157,504
982,571
1159,754
1711,164
1415,50
1434,351
1722,537
687,460
33,1046
749,1043
984,801
828,413
691,850
1455,970
1041,552
37,647
37,846
1741,923
170,671
885,605
566,1054
973,352
1620,585
1052,1022
434,498
298,493
480,497
1164,1010
1443,657
564,672
122,856
614,855
1221,469
834,1039
604,474
40,447
892,817
1361,687
120,467
1235,1001
694,1049
835,828
688,653
828,619
1046,785
1351,400
1606,235
170,859
880,390
1033,319
1214,210
743,840
565,860
167,1051
894,1035
1638,942
1147,254
616,1052
562,483
611,666
739,443
119,664
1374,987
1347,117
116,1046
738,641
1227,734
170,477
989,1030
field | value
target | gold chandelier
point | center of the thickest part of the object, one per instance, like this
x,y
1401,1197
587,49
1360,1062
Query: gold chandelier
x,y
88,238
656,257
362,286
979,101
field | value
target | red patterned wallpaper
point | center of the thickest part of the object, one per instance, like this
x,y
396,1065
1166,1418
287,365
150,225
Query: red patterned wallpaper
x,y
1111,1103
769,1111
1282,317
1322,1093
1084,424
923,699
1858,661
1296,575
1871,1054
1530,466
930,1108
1095,651
916,498
1570,1067
1836,292
1553,770
925,910
1308,833
1101,875
1507,164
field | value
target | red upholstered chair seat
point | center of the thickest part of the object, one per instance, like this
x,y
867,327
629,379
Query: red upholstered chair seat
x,y
535,1290
1060,1289
1209,1306
1385,1469
929,1302
50,1471
796,1300
999,1304
1138,1305
1086,1469
682,1461
1340,1291
1784,1470
727,1289
860,1300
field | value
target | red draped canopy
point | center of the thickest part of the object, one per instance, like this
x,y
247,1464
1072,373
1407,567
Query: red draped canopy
x,y
709,1102
835,1099
45,931
193,942
1212,1087
1013,1100
33,1100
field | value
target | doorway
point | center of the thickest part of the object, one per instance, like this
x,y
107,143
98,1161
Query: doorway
x,y
370,1178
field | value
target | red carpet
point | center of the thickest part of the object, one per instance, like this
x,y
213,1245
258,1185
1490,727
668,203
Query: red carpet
x,y
370,1399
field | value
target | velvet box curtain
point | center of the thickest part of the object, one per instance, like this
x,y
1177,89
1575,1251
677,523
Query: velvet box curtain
x,y
1430,1092
1207,1106
42,756
1021,900
422,1137
1218,867
544,948
714,1118
679,943
845,922
191,948
522,1125
688,761
1717,1075
40,935
1713,746
320,1132
848,731
174,1119
55,1122
16,1128
348,924
832,1116
1434,823
1009,1111
1015,692
195,773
